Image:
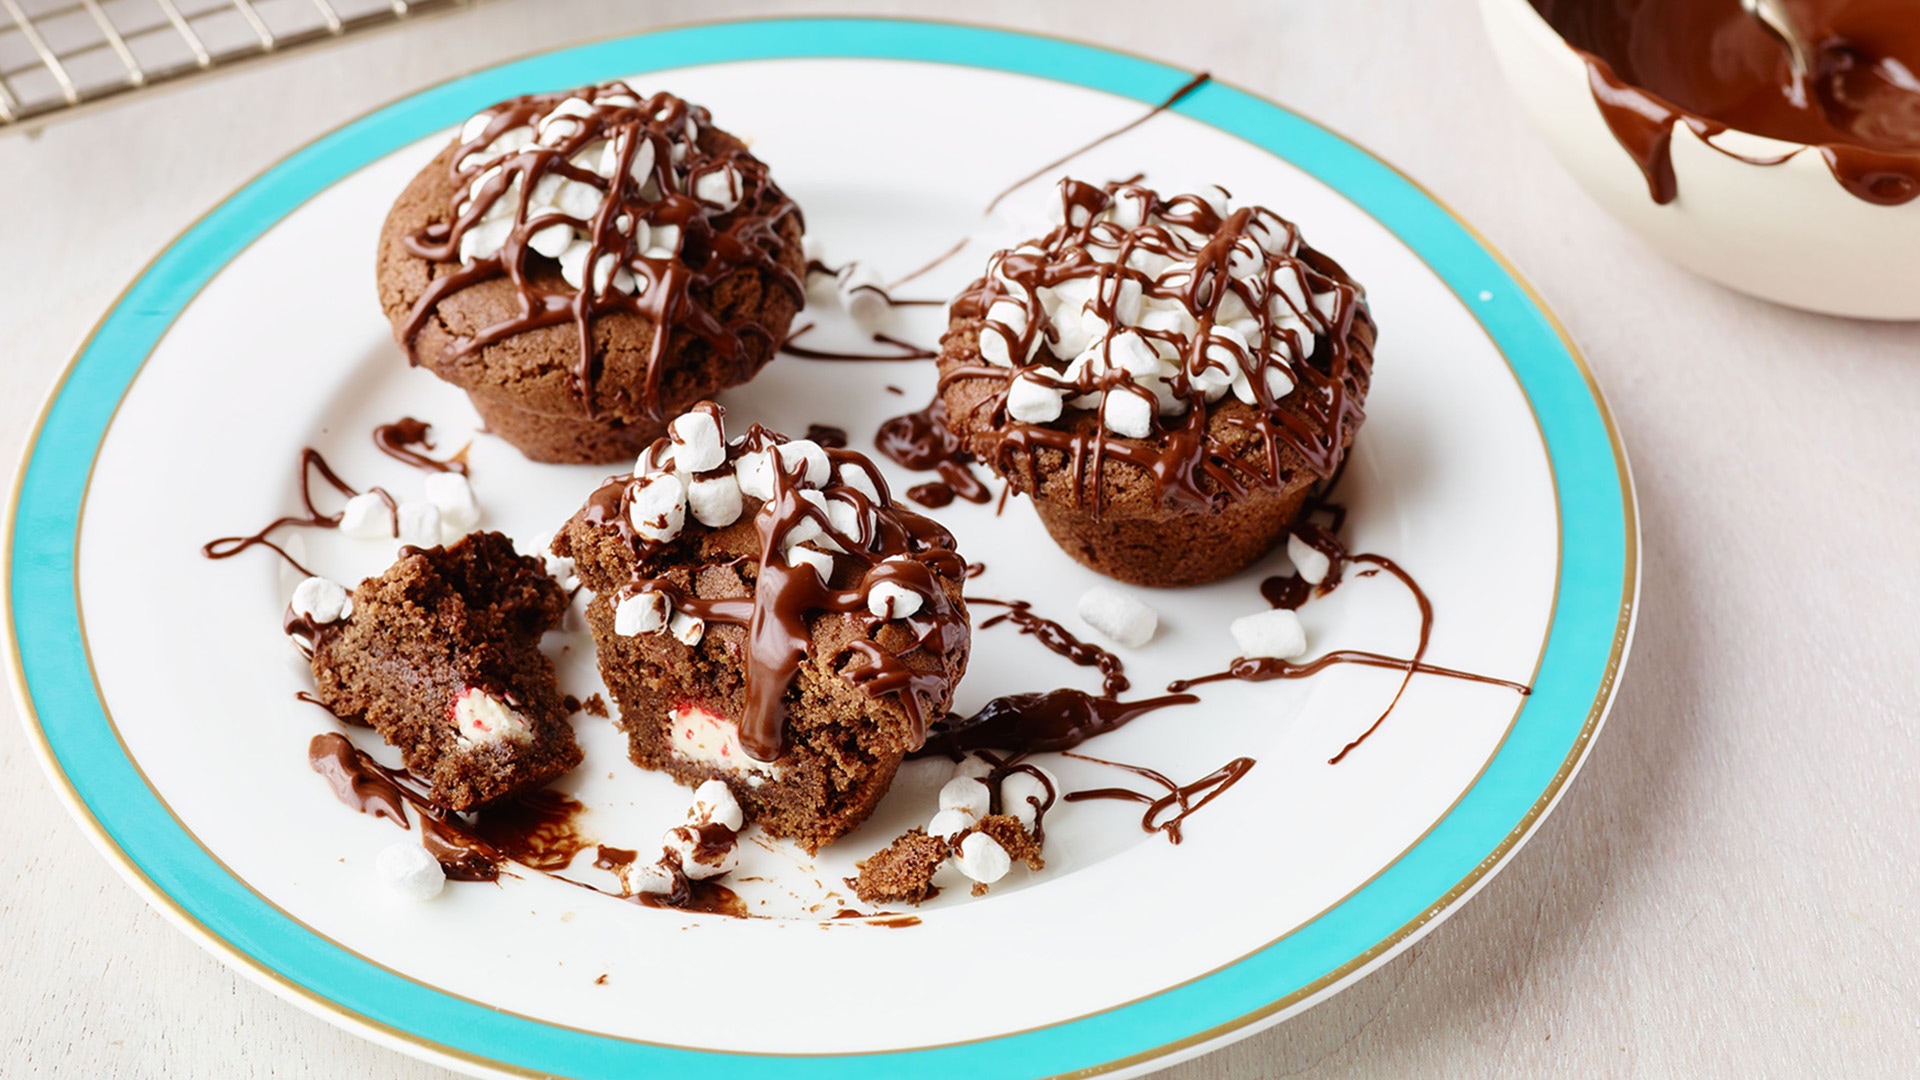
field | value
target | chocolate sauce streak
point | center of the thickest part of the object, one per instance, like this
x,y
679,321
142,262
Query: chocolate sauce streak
x,y
1003,767
1172,99
536,828
1208,788
903,549
1706,64
311,462
903,350
1035,723
648,231
833,438
1060,641
1291,592
399,439
706,897
921,441
1299,335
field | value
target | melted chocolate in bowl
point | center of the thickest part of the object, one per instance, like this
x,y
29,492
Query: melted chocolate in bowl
x,y
1709,65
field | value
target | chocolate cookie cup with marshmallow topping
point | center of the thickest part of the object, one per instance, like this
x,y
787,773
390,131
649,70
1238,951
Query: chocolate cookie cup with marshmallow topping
x,y
1167,378
694,252
765,615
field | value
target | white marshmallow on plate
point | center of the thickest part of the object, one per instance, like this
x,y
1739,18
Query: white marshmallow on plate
x,y
452,495
863,295
1118,616
367,517
1312,563
697,445
657,506
1022,795
714,804
967,795
983,859
974,768
419,524
648,879
321,601
410,871
684,841
641,613
948,824
1275,634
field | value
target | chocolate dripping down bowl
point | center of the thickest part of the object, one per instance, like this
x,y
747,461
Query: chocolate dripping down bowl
x,y
1786,232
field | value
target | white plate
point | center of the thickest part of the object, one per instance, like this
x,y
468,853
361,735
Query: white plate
x,y
164,689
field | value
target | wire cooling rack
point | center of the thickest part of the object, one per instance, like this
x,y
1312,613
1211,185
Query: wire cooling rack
x,y
56,54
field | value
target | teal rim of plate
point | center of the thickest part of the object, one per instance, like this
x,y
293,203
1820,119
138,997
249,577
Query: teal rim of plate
x,y
1584,646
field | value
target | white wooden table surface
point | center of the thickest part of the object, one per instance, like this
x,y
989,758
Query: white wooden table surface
x,y
1728,889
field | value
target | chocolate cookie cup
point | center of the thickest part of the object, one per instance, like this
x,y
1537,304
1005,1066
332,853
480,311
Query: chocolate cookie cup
x,y
1167,378
695,257
766,616
441,655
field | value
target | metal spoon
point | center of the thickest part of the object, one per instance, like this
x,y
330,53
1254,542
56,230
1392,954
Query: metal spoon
x,y
1773,17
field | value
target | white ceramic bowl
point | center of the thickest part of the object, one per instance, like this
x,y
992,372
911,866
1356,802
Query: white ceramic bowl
x,y
1787,233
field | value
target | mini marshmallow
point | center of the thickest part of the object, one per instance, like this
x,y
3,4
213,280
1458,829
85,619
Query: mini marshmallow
x,y
559,567
410,871
648,879
983,859
1312,563
754,473
820,561
718,187
973,768
716,502
419,524
321,601
1022,795
657,507
863,295
1033,402
452,495
818,466
689,629
714,804
1118,616
641,613
948,824
685,842
967,795
887,600
367,517
1129,414
481,719
1275,634
860,480
697,445
847,520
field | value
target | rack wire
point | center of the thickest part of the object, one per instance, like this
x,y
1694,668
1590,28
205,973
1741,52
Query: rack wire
x,y
57,54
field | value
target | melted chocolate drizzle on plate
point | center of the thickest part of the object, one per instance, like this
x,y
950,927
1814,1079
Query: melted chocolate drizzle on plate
x,y
407,440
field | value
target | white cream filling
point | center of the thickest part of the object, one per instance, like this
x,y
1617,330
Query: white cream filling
x,y
705,739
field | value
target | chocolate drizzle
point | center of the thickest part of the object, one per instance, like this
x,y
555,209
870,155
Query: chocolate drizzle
x,y
652,248
311,462
1060,641
903,350
1706,64
1280,323
1291,592
1208,788
922,441
399,439
893,546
